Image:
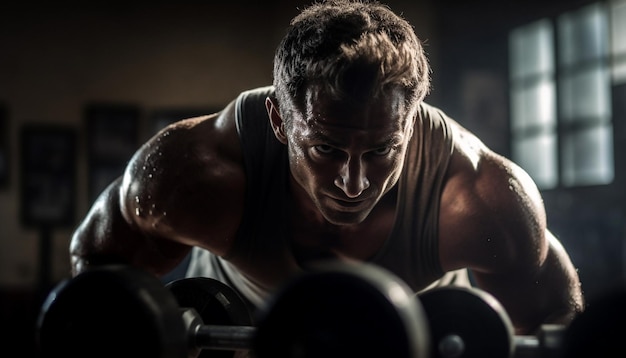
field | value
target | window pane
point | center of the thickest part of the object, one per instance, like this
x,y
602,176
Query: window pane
x,y
537,155
531,49
534,106
618,26
588,156
619,73
618,36
583,35
585,94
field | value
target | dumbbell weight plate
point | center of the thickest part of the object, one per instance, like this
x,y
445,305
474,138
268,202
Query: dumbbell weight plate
x,y
215,302
467,322
142,318
343,310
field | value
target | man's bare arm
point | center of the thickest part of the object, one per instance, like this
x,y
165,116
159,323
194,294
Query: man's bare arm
x,y
539,284
182,188
105,237
493,222
547,293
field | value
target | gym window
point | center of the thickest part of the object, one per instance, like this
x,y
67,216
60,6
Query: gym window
x,y
561,71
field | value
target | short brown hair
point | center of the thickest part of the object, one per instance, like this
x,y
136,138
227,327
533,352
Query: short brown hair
x,y
350,48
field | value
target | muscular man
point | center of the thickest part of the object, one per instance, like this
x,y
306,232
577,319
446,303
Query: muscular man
x,y
339,159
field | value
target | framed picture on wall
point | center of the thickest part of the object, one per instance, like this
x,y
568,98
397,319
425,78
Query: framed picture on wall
x,y
48,175
4,146
112,139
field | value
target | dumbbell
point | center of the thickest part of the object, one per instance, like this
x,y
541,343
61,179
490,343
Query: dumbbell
x,y
335,310
470,322
207,301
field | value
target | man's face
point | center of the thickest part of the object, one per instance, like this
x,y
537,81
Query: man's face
x,y
345,157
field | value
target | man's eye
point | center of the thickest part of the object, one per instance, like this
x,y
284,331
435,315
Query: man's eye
x,y
382,151
324,149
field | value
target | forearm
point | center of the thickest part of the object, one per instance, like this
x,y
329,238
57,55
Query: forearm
x,y
566,289
139,252
533,297
98,238
82,262
106,237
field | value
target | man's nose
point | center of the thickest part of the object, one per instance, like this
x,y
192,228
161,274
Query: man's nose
x,y
352,179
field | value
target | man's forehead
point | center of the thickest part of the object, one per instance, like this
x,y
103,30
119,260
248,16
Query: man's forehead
x,y
340,134
383,113
324,124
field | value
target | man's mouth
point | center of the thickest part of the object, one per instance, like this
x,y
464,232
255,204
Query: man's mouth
x,y
351,204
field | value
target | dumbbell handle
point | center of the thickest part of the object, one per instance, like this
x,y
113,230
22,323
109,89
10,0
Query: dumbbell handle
x,y
224,337
229,337
546,344
216,337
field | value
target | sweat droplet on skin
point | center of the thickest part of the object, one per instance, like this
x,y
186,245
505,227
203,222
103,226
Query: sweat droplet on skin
x,y
137,207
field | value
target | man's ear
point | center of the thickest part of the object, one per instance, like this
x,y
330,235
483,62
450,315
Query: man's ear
x,y
276,121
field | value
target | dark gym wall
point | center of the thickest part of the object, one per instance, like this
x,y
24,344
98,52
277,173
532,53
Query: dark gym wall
x,y
56,59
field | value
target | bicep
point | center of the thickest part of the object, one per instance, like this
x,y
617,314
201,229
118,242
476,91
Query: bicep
x,y
186,187
114,231
491,220
183,187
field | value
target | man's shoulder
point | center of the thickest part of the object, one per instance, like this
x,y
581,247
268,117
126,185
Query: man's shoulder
x,y
426,109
